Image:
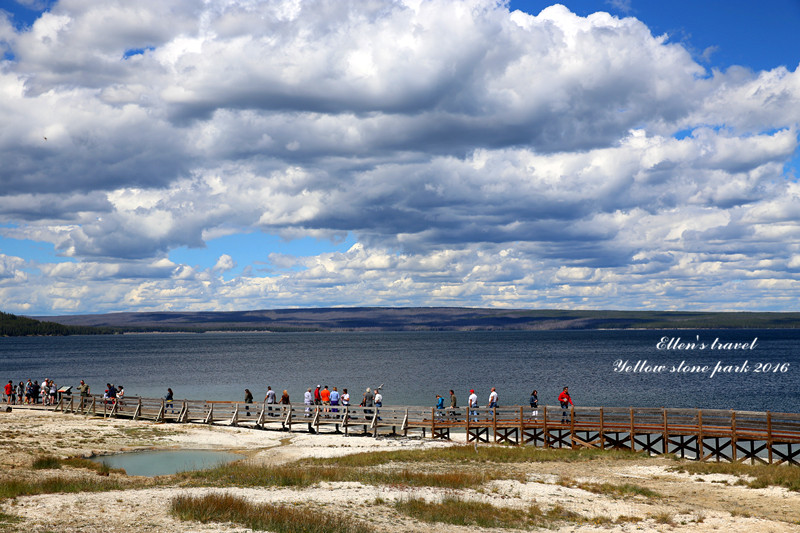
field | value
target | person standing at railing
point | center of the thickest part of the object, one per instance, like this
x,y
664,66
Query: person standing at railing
x,y
318,395
493,398
53,392
345,397
84,391
566,401
378,400
248,398
270,399
439,402
308,399
335,397
472,403
535,403
120,394
325,396
168,401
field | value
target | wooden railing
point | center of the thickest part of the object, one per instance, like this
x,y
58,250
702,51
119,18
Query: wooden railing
x,y
705,434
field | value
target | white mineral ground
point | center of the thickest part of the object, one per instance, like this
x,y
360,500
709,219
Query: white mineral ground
x,y
696,503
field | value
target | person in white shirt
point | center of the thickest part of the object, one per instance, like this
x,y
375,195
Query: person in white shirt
x,y
493,398
472,402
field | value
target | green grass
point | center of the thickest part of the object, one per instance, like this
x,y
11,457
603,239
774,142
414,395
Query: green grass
x,y
12,488
46,462
226,508
8,520
49,462
786,476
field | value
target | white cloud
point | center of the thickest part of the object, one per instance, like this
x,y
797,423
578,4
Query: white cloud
x,y
225,263
479,157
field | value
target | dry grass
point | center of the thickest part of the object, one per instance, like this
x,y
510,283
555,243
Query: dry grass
x,y
262,517
480,454
457,511
302,474
786,476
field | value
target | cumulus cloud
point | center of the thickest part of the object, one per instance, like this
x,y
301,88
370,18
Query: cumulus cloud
x,y
479,156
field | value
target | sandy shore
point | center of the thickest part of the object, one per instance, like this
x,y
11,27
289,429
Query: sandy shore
x,y
688,502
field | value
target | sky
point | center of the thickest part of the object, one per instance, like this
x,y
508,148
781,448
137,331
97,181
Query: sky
x,y
245,154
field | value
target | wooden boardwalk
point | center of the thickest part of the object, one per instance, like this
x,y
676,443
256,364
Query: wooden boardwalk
x,y
705,434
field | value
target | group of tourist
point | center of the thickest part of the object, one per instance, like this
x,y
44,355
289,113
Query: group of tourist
x,y
32,392
47,393
564,400
321,396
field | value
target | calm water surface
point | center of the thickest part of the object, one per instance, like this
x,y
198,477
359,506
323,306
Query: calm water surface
x,y
415,366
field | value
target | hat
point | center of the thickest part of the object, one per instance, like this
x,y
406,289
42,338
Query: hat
x,y
471,391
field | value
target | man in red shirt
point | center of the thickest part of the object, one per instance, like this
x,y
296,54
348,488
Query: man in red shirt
x,y
9,392
565,401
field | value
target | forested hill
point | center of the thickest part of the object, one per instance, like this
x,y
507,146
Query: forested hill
x,y
19,326
426,319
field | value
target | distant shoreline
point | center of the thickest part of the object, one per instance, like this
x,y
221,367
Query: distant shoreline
x,y
365,319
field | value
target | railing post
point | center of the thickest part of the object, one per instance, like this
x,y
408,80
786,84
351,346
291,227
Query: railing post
x,y
733,436
769,436
572,427
666,431
633,440
494,422
521,439
602,431
700,453
544,429
235,418
433,422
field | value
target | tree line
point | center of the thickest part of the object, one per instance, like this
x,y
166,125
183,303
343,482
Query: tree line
x,y
20,326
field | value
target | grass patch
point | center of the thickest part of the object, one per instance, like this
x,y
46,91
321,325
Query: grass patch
x,y
303,475
8,520
460,512
14,487
482,454
277,518
762,475
46,462
49,462
619,491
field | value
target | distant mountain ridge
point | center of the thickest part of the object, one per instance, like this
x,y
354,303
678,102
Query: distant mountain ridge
x,y
424,318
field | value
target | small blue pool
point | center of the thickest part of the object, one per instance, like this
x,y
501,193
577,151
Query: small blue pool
x,y
165,462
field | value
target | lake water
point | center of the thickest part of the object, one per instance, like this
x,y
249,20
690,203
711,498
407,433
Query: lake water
x,y
415,366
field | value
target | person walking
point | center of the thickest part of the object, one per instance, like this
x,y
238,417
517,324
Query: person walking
x,y
535,403
493,398
248,399
308,399
270,399
9,390
566,401
472,403
168,401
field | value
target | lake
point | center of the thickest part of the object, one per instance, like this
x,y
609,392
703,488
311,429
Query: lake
x,y
612,368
